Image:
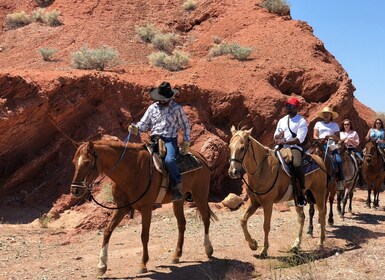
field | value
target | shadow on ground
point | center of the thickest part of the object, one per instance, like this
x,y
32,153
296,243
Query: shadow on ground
x,y
213,269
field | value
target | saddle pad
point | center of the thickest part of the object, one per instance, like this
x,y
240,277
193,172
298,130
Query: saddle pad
x,y
309,165
187,163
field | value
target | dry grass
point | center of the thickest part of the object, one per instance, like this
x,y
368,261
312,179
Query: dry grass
x,y
99,59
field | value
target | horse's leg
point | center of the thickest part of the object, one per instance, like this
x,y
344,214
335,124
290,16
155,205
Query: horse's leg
x,y
311,215
368,202
331,200
205,212
345,200
181,220
251,207
267,211
117,216
321,217
300,222
145,236
376,193
339,199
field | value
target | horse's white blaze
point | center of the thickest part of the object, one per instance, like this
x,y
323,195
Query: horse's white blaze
x,y
207,242
80,160
103,256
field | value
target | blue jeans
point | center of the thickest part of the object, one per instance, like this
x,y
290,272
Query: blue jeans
x,y
338,159
170,160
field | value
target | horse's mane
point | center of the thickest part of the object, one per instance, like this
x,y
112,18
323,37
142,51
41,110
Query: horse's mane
x,y
119,144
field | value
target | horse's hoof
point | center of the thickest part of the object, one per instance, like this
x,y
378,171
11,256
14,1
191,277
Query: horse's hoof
x,y
263,254
102,270
175,260
331,222
253,245
310,234
294,250
142,270
209,251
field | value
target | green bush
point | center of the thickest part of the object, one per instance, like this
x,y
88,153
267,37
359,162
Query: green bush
x,y
47,53
98,59
38,15
279,7
52,18
175,62
189,5
146,32
239,52
17,20
220,49
165,42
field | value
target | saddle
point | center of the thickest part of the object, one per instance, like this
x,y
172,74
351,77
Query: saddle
x,y
285,157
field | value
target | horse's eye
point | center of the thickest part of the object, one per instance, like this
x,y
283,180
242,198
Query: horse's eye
x,y
242,149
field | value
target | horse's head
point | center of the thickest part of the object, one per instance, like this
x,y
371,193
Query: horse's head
x,y
371,151
85,169
317,147
239,144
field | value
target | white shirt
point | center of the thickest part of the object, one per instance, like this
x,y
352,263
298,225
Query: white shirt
x,y
297,125
353,140
325,129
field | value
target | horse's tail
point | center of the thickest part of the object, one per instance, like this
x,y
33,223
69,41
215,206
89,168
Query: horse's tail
x,y
212,215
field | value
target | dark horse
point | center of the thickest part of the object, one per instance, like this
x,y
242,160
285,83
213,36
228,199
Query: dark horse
x,y
351,172
373,172
136,186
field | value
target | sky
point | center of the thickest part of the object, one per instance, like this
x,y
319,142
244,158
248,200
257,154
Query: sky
x,y
353,31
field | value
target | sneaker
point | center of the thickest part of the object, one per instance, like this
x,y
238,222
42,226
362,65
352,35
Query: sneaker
x,y
339,186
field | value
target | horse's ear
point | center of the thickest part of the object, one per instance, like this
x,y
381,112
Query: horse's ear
x,y
90,146
249,131
233,130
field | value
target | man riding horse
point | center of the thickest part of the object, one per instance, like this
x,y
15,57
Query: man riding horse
x,y
291,131
164,118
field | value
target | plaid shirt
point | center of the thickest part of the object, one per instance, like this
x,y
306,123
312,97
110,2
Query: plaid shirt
x,y
165,121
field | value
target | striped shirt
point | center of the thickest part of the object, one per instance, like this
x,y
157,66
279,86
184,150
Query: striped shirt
x,y
165,121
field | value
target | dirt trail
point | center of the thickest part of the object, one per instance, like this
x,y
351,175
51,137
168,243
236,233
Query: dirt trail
x,y
354,248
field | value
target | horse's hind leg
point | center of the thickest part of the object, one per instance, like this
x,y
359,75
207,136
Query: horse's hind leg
x,y
117,216
250,210
311,215
321,217
181,220
206,213
145,236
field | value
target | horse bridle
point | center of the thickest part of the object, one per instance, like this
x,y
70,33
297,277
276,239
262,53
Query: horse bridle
x,y
83,184
243,170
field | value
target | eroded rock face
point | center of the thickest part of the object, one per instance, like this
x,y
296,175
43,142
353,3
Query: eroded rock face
x,y
48,107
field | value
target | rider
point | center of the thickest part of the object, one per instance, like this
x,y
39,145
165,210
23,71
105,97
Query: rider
x,y
377,132
291,131
329,130
164,118
349,137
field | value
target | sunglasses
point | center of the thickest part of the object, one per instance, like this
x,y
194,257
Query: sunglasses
x,y
378,122
290,106
346,124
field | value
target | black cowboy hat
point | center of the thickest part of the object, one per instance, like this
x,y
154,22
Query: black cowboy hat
x,y
164,92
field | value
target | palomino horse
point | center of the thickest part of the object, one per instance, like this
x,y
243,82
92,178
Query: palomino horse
x,y
351,172
136,186
268,183
373,172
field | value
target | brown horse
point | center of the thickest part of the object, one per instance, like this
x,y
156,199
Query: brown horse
x,y
373,172
268,183
351,172
136,186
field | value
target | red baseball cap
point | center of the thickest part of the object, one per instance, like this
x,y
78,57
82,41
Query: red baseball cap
x,y
293,101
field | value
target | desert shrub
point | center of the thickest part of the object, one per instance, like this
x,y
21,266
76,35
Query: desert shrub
x,y
175,62
44,220
98,59
52,18
146,32
220,49
217,40
38,15
239,52
17,20
44,3
189,5
165,42
279,7
47,53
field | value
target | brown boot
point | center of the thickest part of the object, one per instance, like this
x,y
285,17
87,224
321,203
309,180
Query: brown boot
x,y
176,193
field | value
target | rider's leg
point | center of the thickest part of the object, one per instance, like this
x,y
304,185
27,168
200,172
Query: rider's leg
x,y
170,161
297,163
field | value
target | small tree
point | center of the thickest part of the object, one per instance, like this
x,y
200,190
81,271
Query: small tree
x,y
189,5
239,52
176,62
98,59
47,53
146,32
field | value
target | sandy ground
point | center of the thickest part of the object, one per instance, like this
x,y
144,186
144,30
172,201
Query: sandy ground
x,y
353,249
